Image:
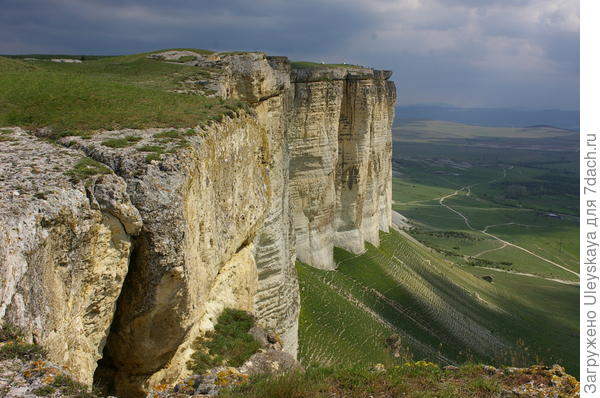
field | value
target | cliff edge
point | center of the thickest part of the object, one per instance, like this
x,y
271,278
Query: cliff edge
x,y
120,246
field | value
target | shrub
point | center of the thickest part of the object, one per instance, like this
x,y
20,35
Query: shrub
x,y
71,387
150,148
229,344
152,156
118,142
10,332
186,58
43,391
87,167
23,351
174,134
484,385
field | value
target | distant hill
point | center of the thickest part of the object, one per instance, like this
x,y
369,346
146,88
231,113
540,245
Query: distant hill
x,y
494,117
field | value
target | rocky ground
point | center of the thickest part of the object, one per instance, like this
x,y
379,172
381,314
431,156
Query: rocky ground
x,y
31,378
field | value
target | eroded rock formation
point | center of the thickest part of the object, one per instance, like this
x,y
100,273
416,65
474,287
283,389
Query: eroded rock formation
x,y
128,267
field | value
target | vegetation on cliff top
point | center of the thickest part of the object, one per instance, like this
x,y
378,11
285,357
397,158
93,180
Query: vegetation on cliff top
x,y
130,91
316,65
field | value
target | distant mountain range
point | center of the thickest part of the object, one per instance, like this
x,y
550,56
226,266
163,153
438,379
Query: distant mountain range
x,y
494,117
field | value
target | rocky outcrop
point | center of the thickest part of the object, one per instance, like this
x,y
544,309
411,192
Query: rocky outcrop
x,y
64,248
340,172
194,255
180,224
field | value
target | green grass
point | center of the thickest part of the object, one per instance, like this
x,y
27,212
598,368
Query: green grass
x,y
512,191
229,344
151,148
514,178
410,380
85,168
71,388
44,391
22,351
8,65
443,312
121,142
108,93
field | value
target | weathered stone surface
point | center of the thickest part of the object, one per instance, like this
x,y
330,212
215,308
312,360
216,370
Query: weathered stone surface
x,y
264,82
363,175
199,208
214,223
340,170
64,254
269,362
313,146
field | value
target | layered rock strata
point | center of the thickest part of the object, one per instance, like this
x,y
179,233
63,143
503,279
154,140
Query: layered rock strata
x,y
128,266
340,171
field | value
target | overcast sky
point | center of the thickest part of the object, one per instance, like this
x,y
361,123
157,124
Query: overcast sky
x,y
499,53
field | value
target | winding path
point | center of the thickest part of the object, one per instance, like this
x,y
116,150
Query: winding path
x,y
484,231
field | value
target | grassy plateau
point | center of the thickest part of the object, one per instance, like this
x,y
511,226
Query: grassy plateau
x,y
130,91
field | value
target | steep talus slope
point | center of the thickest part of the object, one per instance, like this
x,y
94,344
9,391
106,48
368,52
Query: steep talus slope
x,y
207,217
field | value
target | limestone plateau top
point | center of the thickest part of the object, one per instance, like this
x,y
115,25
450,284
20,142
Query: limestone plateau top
x,y
115,261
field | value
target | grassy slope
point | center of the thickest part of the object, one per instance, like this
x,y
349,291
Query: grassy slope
x,y
116,92
443,312
432,296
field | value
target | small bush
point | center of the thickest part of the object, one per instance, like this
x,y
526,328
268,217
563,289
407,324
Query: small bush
x,y
117,143
229,344
174,134
71,387
85,168
152,156
43,391
186,58
151,148
23,351
484,385
288,385
10,332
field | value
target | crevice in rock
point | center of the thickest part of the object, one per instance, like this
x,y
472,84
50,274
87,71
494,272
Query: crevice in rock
x,y
112,375
107,369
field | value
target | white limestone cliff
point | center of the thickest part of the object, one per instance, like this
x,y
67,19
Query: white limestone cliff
x,y
118,274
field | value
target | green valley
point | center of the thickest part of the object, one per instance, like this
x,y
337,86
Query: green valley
x,y
487,270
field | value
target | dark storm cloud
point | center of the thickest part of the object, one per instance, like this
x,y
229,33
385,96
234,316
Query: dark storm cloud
x,y
466,52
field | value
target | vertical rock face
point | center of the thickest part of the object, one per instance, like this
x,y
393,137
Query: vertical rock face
x,y
313,146
201,212
363,180
264,82
64,250
131,267
340,172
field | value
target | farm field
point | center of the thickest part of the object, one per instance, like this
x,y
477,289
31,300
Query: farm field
x,y
511,209
495,203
